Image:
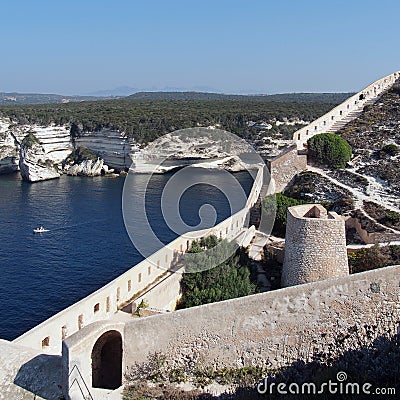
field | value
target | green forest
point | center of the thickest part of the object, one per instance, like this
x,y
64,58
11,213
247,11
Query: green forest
x,y
145,120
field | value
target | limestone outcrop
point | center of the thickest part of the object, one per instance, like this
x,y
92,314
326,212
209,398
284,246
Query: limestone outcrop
x,y
33,162
8,154
8,150
55,142
89,168
198,149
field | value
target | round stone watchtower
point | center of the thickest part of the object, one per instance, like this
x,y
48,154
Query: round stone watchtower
x,y
315,247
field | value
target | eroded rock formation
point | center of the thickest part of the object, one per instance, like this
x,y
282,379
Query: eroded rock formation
x,y
33,162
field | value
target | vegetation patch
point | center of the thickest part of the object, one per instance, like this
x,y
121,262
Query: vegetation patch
x,y
30,140
391,149
80,154
147,119
311,187
281,203
382,215
329,149
230,279
374,257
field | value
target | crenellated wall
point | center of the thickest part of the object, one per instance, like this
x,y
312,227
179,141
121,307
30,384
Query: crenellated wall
x,y
153,279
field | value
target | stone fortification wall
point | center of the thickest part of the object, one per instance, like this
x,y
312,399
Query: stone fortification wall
x,y
284,167
271,329
371,237
153,279
290,162
315,247
345,111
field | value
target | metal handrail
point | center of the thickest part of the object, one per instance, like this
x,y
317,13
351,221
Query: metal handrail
x,y
76,380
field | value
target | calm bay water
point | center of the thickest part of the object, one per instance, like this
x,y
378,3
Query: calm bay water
x,y
87,245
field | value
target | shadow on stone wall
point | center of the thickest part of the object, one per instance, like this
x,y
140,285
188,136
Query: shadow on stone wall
x,y
41,376
378,364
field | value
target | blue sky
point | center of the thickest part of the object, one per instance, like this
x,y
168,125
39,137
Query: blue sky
x,y
266,46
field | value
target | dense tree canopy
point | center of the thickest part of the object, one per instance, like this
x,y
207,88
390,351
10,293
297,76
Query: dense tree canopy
x,y
145,120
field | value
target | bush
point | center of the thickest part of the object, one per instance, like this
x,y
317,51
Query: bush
x,y
81,154
329,149
392,217
372,258
30,140
391,149
230,279
281,202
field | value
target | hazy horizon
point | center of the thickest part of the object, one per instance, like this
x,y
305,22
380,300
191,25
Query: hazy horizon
x,y
98,93
231,47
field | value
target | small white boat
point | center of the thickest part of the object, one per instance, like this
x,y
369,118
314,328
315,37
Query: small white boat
x,y
40,230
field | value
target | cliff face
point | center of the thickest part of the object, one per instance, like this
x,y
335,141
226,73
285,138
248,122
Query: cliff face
x,y
8,153
115,149
8,150
55,144
112,149
200,149
33,162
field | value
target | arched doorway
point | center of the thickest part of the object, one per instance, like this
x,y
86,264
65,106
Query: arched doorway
x,y
107,361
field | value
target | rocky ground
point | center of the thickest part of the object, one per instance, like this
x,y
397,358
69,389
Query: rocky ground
x,y
375,139
315,188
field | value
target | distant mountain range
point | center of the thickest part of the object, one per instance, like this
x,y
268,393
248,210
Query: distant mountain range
x,y
37,98
128,90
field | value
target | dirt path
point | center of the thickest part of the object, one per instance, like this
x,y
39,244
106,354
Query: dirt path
x,y
375,195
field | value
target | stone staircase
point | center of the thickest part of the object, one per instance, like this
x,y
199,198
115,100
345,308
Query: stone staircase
x,y
256,248
339,124
255,211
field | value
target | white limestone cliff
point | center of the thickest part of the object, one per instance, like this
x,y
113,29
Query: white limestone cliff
x,y
33,162
55,141
8,153
204,151
113,147
8,150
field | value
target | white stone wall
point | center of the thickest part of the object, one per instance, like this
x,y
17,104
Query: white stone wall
x,y
324,123
270,329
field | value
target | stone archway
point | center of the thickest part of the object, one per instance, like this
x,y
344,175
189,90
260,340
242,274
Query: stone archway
x,y
107,361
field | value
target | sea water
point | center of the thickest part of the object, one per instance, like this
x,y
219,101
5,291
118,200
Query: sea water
x,y
87,244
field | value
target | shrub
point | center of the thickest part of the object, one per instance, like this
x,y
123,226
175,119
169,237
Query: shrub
x,y
329,149
395,89
281,202
81,154
392,217
230,279
372,258
30,140
391,149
